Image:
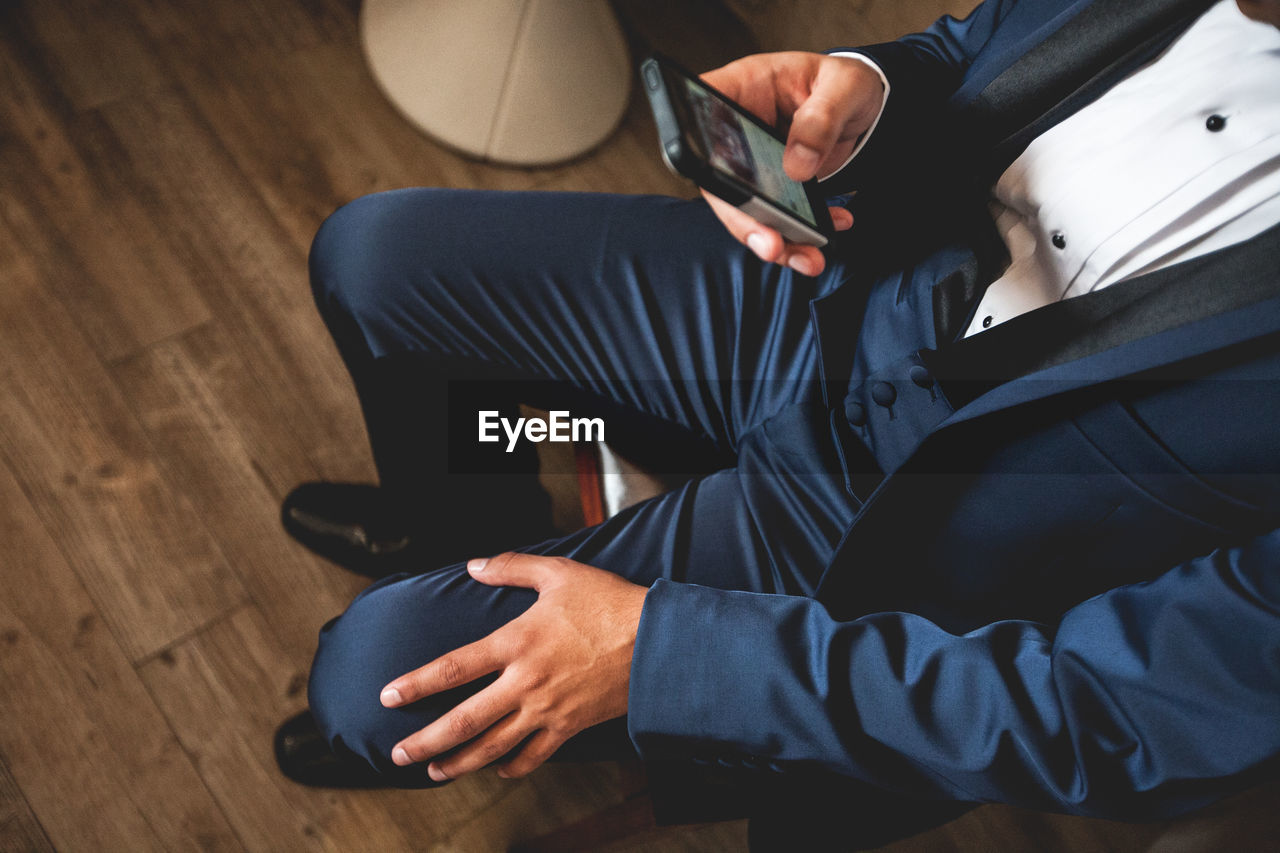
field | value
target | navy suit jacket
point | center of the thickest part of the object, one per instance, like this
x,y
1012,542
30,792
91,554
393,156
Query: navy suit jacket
x,y
1064,591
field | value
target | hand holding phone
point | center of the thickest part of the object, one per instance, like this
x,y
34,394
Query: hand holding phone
x,y
829,103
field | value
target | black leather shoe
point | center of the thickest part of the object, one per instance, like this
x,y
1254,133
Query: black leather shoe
x,y
361,528
305,757
353,525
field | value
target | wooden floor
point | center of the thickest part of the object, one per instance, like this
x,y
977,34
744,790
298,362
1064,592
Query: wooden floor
x,y
164,381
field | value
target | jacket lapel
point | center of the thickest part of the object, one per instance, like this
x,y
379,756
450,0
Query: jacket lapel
x,y
1187,310
1047,83
1106,40
1073,66
1130,359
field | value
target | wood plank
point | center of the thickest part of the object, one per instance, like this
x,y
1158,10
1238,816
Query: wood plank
x,y
90,50
236,458
696,838
553,796
20,832
69,202
81,737
208,36
251,277
225,691
328,157
86,466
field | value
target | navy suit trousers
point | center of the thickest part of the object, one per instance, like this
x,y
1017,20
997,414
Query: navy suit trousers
x,y
639,308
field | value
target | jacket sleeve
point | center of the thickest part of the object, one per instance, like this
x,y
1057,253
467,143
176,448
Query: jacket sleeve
x,y
923,69
1145,702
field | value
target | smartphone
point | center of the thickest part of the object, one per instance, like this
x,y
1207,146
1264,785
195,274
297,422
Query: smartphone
x,y
730,153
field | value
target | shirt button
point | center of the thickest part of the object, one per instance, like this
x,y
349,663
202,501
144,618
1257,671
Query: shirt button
x,y
884,394
855,412
921,376
986,322
1215,123
1059,240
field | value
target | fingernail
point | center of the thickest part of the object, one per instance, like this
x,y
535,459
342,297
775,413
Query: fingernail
x,y
805,158
502,774
757,243
436,774
391,697
478,564
801,264
400,757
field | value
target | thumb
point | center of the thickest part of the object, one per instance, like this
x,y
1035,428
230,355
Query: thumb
x,y
510,569
833,103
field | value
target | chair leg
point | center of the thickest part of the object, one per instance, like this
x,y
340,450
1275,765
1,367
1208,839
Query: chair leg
x,y
587,463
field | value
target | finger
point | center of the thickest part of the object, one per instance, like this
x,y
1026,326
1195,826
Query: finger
x,y
501,738
806,260
834,101
748,82
726,79
466,721
765,242
444,673
841,218
539,748
511,569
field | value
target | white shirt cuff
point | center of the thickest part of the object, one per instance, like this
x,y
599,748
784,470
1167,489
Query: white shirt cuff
x,y
862,142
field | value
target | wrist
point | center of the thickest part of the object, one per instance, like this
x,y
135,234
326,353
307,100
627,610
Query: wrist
x,y
875,84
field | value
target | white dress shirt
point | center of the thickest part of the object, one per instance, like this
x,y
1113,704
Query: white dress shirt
x,y
1179,159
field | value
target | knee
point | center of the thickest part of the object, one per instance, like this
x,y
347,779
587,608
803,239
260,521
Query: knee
x,y
348,249
359,652
365,252
392,628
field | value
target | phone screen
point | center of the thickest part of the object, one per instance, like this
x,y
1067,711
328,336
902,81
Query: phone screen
x,y
745,151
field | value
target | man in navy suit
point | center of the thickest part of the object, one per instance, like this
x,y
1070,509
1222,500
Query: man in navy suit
x,y
996,508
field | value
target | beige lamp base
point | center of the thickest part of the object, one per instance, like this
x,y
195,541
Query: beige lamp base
x,y
523,82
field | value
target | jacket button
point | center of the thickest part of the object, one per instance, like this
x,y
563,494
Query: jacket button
x,y
1215,123
921,376
1059,240
884,394
856,413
